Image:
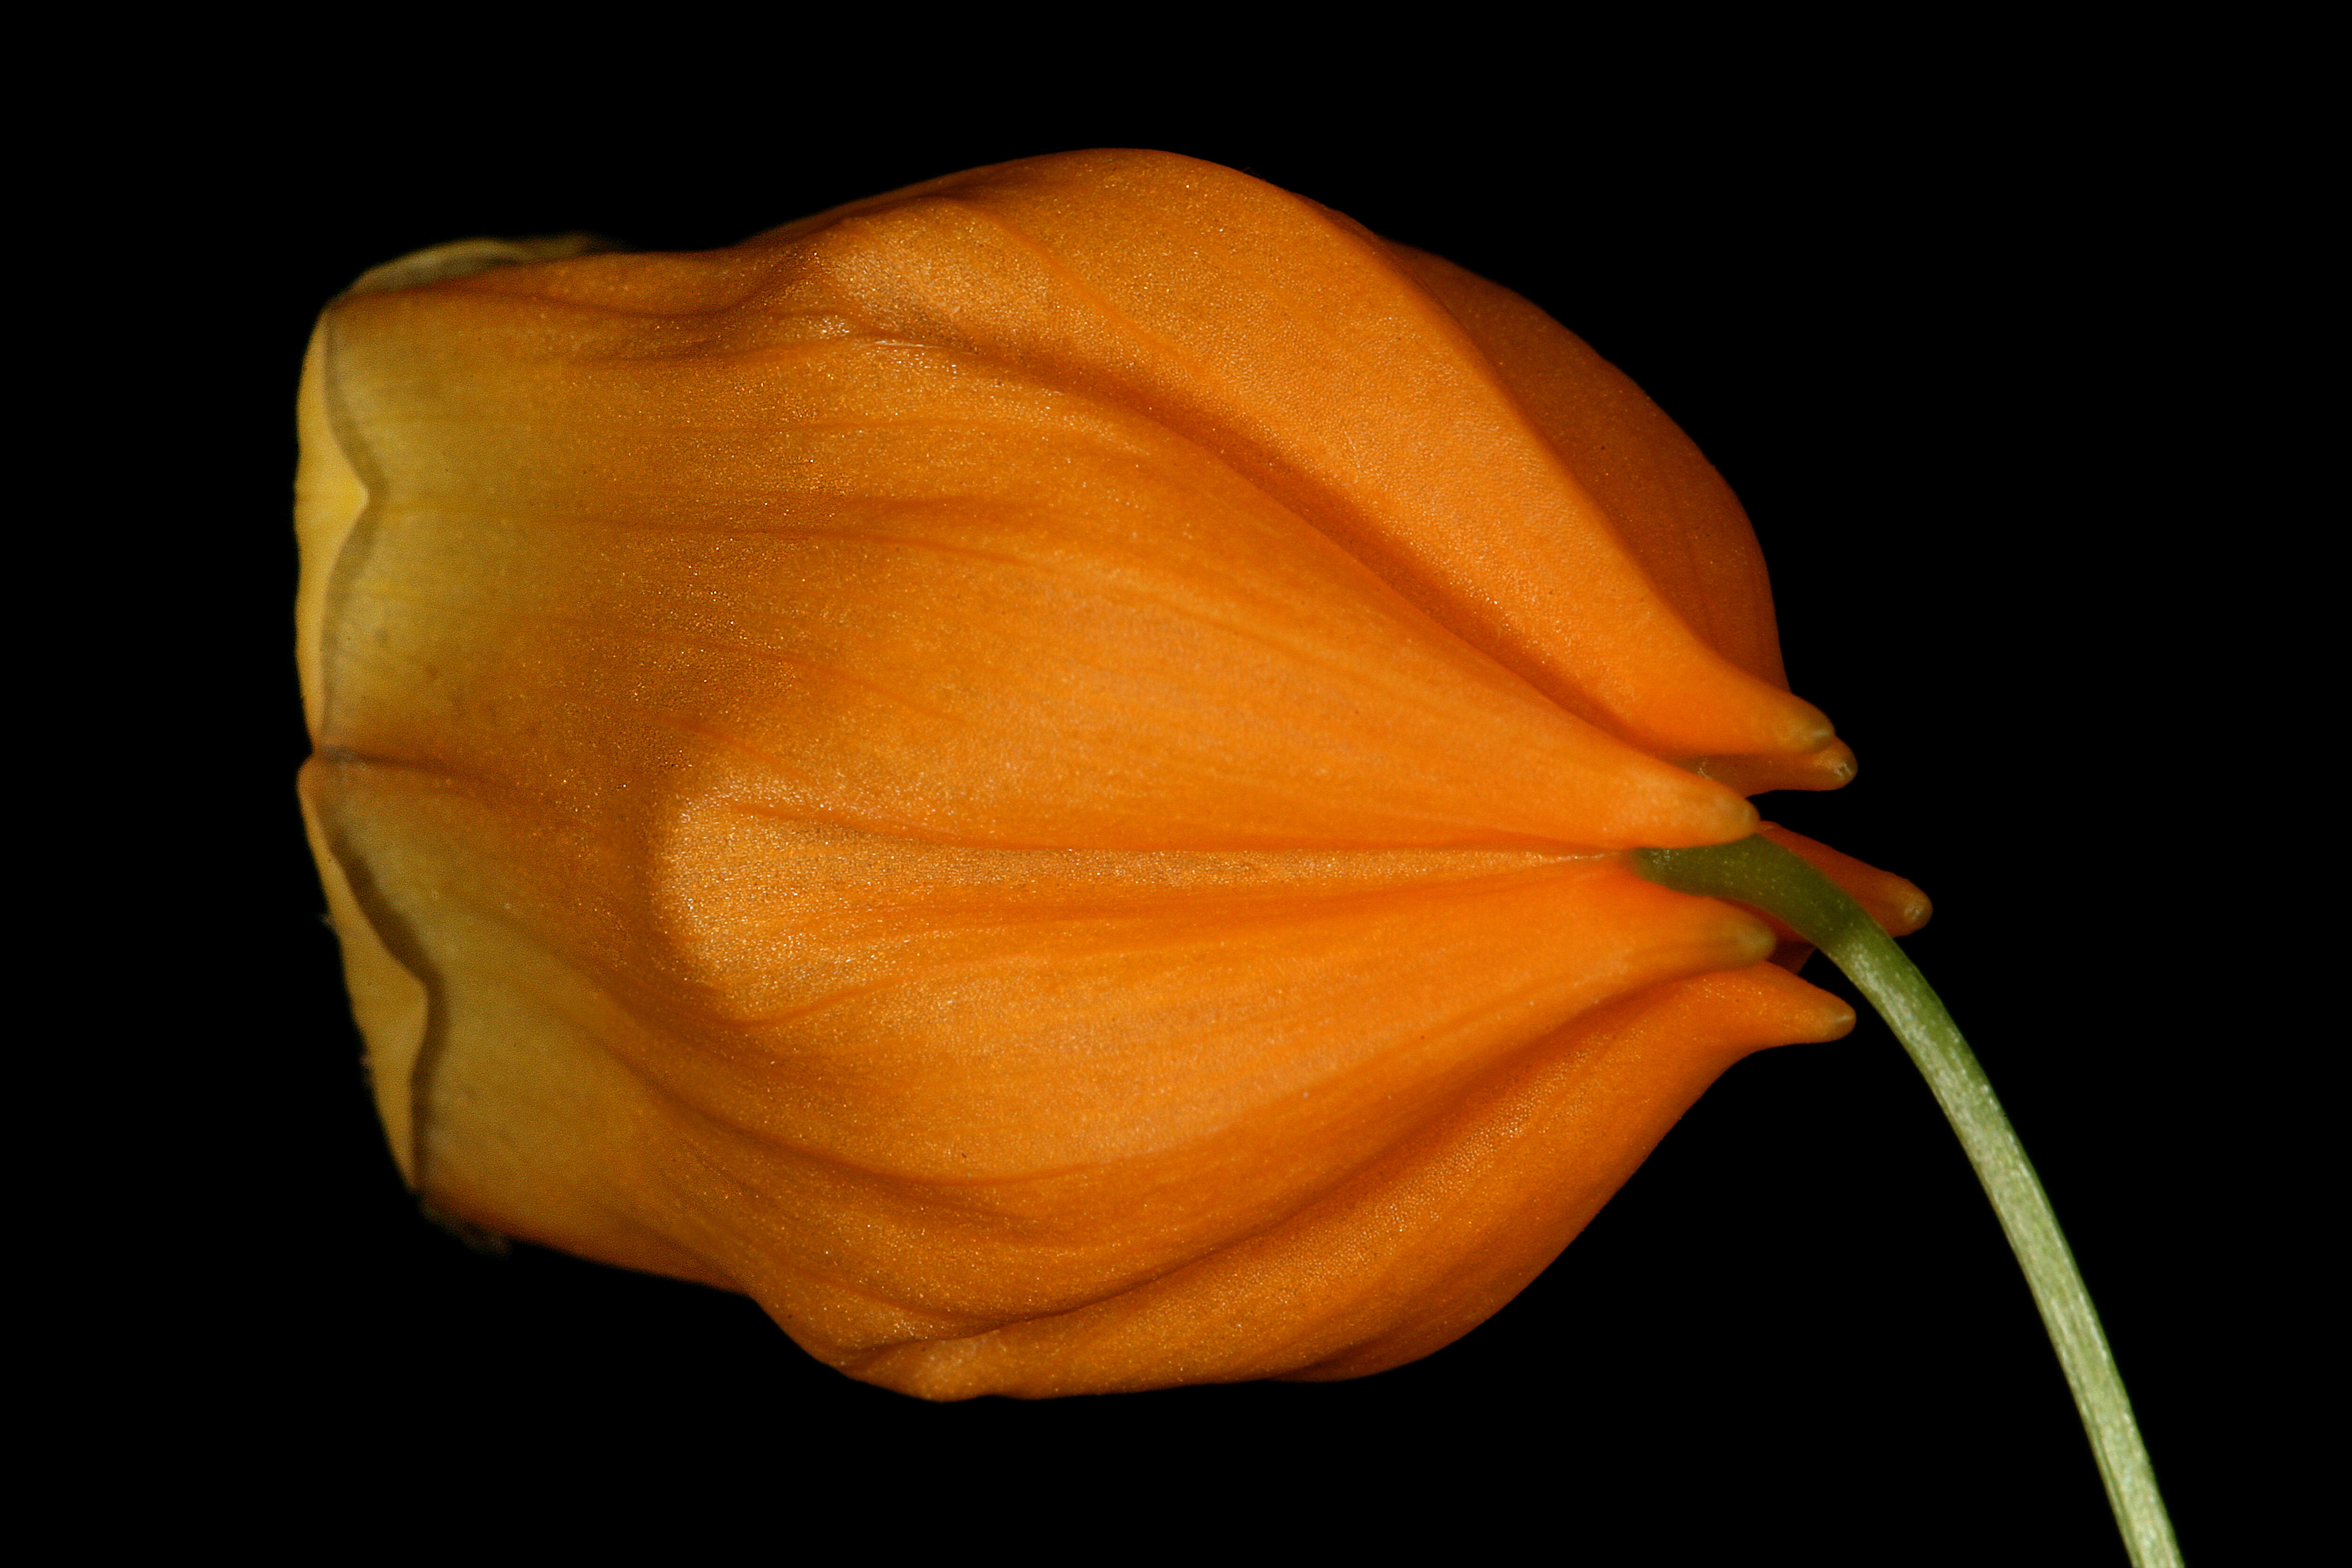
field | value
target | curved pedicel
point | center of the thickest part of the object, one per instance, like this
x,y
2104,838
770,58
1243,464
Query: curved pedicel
x,y
1772,878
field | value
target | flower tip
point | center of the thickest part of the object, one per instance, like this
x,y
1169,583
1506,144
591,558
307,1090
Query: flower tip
x,y
1828,767
1810,729
1734,819
1754,941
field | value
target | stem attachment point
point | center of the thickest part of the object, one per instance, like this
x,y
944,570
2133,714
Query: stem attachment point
x,y
1758,873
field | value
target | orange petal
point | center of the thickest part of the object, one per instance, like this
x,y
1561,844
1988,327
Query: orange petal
x,y
841,566
1419,1249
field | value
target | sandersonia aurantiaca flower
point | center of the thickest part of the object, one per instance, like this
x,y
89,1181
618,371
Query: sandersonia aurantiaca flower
x,y
1063,775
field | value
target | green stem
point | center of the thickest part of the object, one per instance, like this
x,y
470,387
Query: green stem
x,y
1760,874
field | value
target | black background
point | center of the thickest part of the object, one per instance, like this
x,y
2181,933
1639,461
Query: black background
x,y
1955,344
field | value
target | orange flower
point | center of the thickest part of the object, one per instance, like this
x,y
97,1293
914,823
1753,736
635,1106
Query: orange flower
x,y
1034,771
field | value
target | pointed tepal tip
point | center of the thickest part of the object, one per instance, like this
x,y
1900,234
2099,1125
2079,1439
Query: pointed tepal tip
x,y
1806,729
1752,941
1831,766
1673,810
1716,816
1834,764
1909,907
